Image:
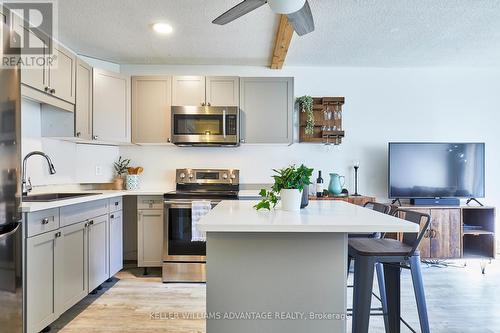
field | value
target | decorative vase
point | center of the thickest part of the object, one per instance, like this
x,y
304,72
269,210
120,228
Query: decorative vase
x,y
118,183
305,197
291,199
336,184
132,182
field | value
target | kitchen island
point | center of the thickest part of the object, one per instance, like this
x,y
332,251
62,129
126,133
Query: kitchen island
x,y
278,271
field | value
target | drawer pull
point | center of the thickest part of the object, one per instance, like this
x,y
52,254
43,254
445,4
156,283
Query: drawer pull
x,y
45,220
116,203
58,234
112,216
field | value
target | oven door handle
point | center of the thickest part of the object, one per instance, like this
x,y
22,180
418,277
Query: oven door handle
x,y
184,204
224,123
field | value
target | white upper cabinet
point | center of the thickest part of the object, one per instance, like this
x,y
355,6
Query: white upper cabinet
x,y
222,91
188,90
201,91
111,107
57,79
83,107
266,109
36,77
62,74
151,103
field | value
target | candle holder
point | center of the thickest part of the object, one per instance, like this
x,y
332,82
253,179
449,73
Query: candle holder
x,y
356,167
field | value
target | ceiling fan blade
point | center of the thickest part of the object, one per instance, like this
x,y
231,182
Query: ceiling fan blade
x,y
302,20
239,10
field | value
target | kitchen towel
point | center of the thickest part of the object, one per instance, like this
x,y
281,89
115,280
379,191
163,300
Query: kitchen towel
x,y
198,210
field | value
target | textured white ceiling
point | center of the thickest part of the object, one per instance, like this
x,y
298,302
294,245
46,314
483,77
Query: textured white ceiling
x,y
379,33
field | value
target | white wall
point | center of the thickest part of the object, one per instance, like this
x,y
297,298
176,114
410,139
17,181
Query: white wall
x,y
75,163
382,105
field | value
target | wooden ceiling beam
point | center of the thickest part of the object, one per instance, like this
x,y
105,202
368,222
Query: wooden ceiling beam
x,y
282,42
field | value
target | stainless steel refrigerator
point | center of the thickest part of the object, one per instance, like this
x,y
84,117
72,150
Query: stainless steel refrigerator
x,y
11,240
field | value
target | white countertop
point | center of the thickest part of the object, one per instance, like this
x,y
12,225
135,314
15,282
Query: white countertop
x,y
27,207
319,216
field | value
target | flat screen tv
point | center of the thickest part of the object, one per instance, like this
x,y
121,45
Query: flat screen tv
x,y
436,170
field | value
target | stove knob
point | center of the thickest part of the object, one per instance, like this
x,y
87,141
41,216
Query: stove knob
x,y
224,175
182,175
233,176
190,176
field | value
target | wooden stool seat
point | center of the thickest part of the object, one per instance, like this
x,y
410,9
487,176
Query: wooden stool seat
x,y
378,247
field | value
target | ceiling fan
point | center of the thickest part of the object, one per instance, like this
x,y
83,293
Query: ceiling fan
x,y
298,13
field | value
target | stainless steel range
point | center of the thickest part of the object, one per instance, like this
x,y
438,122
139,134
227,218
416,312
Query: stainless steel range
x,y
183,259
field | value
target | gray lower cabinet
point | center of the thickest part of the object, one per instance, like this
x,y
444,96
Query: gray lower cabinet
x,y
70,251
115,242
150,242
266,109
72,266
98,251
40,281
150,231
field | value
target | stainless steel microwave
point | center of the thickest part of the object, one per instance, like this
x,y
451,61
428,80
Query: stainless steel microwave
x,y
205,125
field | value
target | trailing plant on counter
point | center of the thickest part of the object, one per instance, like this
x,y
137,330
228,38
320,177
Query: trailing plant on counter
x,y
286,178
306,105
121,166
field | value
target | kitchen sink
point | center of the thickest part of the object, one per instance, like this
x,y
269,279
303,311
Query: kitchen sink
x,y
54,196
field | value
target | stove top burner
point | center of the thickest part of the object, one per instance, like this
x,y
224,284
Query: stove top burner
x,y
205,184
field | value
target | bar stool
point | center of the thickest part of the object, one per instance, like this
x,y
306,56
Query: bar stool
x,y
394,255
384,209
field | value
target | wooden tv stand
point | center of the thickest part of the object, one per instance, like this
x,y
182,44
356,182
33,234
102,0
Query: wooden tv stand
x,y
458,232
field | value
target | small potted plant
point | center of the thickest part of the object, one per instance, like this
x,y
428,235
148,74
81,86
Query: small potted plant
x,y
288,184
120,170
306,105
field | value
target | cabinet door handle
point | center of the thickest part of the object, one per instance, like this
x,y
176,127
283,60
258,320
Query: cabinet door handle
x,y
242,140
47,89
52,91
116,203
112,216
202,103
45,220
95,137
434,233
78,134
208,104
168,140
57,234
91,222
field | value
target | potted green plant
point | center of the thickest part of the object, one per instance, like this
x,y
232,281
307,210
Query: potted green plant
x,y
288,184
120,170
306,105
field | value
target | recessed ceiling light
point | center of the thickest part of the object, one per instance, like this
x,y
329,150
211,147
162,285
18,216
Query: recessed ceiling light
x,y
162,28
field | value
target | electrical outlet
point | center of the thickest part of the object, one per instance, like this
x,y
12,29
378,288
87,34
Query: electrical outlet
x,y
98,170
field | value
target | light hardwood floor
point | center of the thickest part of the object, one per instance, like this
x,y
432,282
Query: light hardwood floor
x,y
460,299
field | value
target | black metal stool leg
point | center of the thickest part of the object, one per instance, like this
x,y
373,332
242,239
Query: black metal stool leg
x,y
381,287
418,288
363,285
392,274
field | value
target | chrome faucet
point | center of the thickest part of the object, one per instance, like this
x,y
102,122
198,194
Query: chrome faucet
x,y
27,187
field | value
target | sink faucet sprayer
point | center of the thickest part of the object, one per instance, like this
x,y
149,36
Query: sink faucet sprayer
x,y
27,187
